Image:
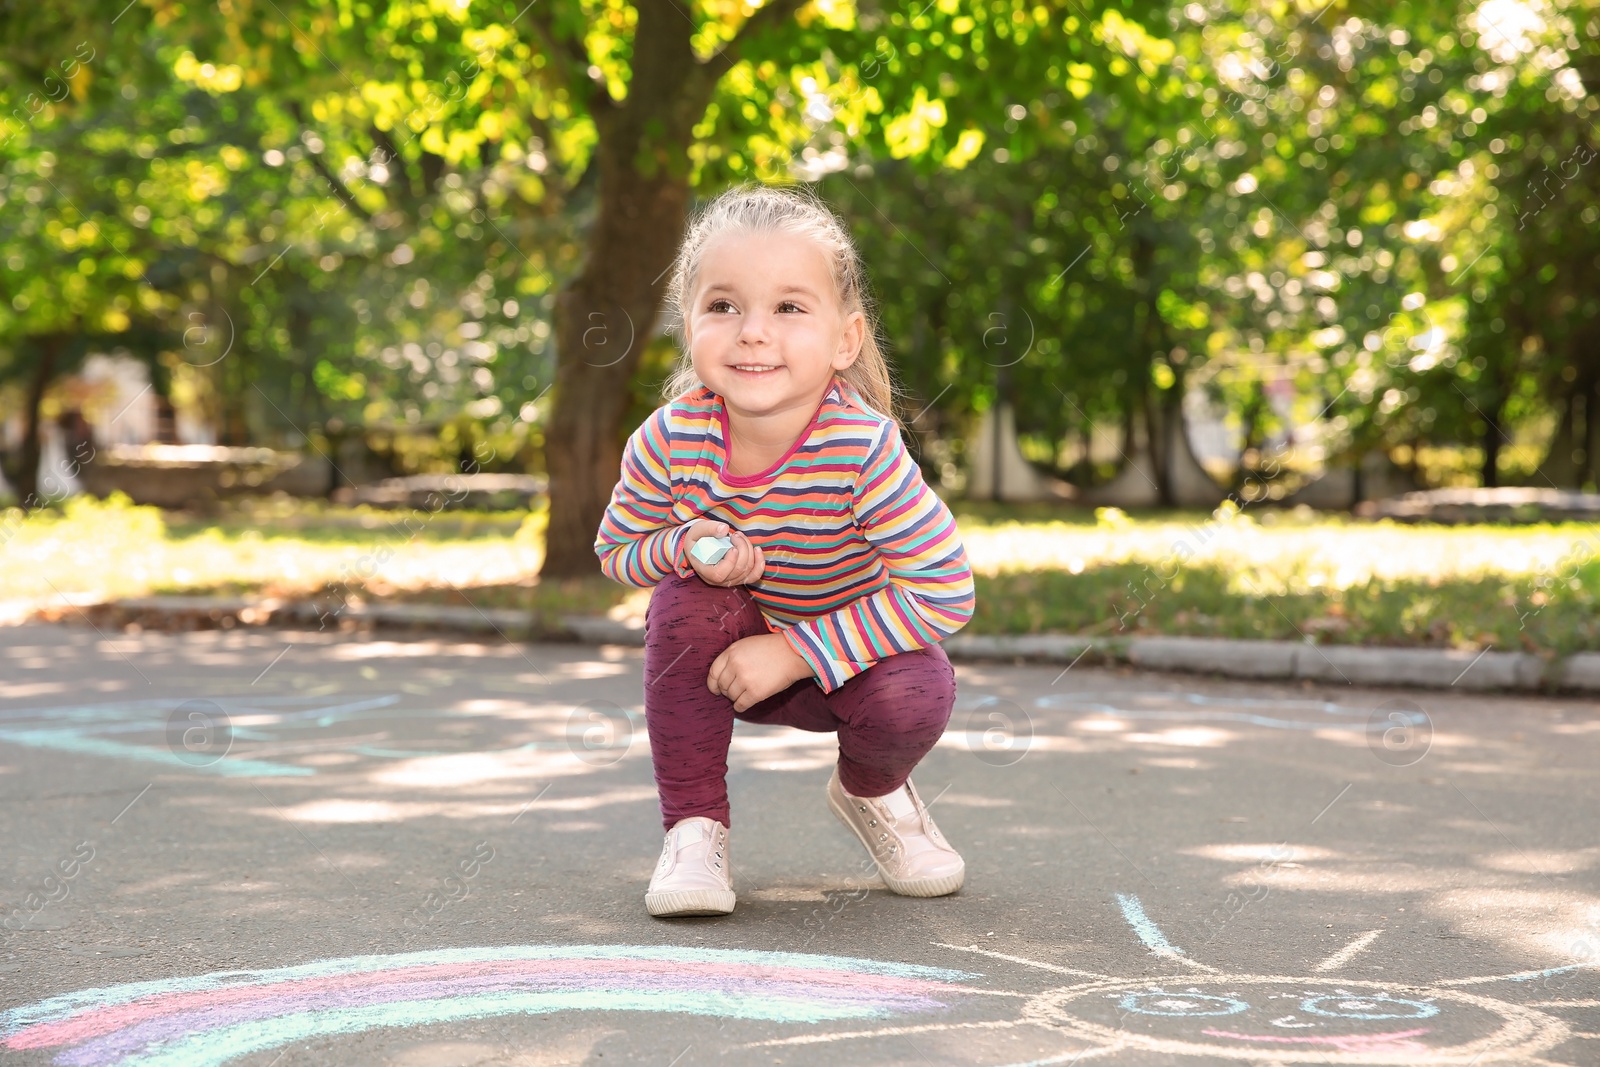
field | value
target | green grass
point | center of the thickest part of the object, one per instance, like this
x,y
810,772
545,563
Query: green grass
x,y
1039,568
115,549
1128,600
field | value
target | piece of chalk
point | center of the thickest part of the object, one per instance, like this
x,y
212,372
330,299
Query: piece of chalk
x,y
710,550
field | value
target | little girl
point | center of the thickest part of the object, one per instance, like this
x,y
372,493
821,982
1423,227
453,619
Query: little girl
x,y
845,569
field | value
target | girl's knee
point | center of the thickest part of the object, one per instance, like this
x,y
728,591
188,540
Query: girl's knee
x,y
913,702
923,677
693,597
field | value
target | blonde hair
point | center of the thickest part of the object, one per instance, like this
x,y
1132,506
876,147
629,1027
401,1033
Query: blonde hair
x,y
755,208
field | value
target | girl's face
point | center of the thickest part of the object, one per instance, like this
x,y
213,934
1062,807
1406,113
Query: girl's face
x,y
764,329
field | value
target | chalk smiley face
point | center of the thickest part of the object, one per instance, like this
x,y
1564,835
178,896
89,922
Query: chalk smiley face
x,y
1285,1019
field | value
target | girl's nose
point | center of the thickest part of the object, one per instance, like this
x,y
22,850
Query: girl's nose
x,y
754,328
752,331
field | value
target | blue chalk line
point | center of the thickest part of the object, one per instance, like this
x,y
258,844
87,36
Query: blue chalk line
x,y
1148,931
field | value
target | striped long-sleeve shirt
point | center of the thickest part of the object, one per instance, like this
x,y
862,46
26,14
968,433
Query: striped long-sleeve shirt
x,y
862,559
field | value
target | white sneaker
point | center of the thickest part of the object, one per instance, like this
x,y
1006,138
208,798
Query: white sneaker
x,y
913,858
694,876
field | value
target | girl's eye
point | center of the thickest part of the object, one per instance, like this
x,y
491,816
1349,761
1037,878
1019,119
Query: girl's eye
x,y
789,304
718,303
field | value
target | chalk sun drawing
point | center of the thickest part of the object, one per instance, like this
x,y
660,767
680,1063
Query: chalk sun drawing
x,y
210,1019
1273,1019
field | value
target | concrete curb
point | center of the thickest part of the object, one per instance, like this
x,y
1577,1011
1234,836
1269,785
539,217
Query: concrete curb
x,y
1415,668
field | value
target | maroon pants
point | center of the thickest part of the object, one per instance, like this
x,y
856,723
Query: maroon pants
x,y
887,717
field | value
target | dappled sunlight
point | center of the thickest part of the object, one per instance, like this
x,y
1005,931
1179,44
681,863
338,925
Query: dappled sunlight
x,y
1455,766
973,741
1364,878
1343,738
588,668
799,763
1546,923
422,648
118,550
1102,725
591,801
250,887
774,748
487,706
36,689
1541,861
330,759
1279,853
1184,737
1571,728
514,804
352,811
1444,740
469,768
1384,805
1275,559
757,738
1476,825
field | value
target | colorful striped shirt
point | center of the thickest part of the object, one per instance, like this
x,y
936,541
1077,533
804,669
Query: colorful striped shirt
x,y
862,559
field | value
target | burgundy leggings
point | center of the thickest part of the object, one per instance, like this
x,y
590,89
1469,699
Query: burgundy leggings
x,y
887,717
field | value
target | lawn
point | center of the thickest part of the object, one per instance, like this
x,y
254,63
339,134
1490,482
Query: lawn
x,y
1264,573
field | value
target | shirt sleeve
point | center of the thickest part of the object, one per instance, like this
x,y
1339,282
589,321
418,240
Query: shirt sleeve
x,y
930,590
638,543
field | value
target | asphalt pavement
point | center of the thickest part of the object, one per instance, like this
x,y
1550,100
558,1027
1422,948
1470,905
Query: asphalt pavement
x,y
277,848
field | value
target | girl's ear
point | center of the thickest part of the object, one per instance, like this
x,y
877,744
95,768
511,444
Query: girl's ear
x,y
855,332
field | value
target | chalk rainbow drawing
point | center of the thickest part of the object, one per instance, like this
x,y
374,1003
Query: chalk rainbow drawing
x,y
210,1019
1268,1019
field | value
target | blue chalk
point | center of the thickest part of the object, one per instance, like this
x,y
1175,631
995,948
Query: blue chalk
x,y
710,550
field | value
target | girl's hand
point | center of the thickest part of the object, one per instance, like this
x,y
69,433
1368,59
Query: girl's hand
x,y
752,669
743,564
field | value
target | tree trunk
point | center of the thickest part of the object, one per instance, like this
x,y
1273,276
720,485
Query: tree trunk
x,y
1589,478
1086,442
1493,437
607,314
1155,437
1559,468
603,320
26,478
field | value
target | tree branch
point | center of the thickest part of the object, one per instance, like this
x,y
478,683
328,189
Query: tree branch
x,y
338,187
400,173
572,61
551,176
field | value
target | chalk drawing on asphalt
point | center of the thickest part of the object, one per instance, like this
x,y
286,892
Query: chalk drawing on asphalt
x,y
216,1018
212,1019
264,730
1270,1019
